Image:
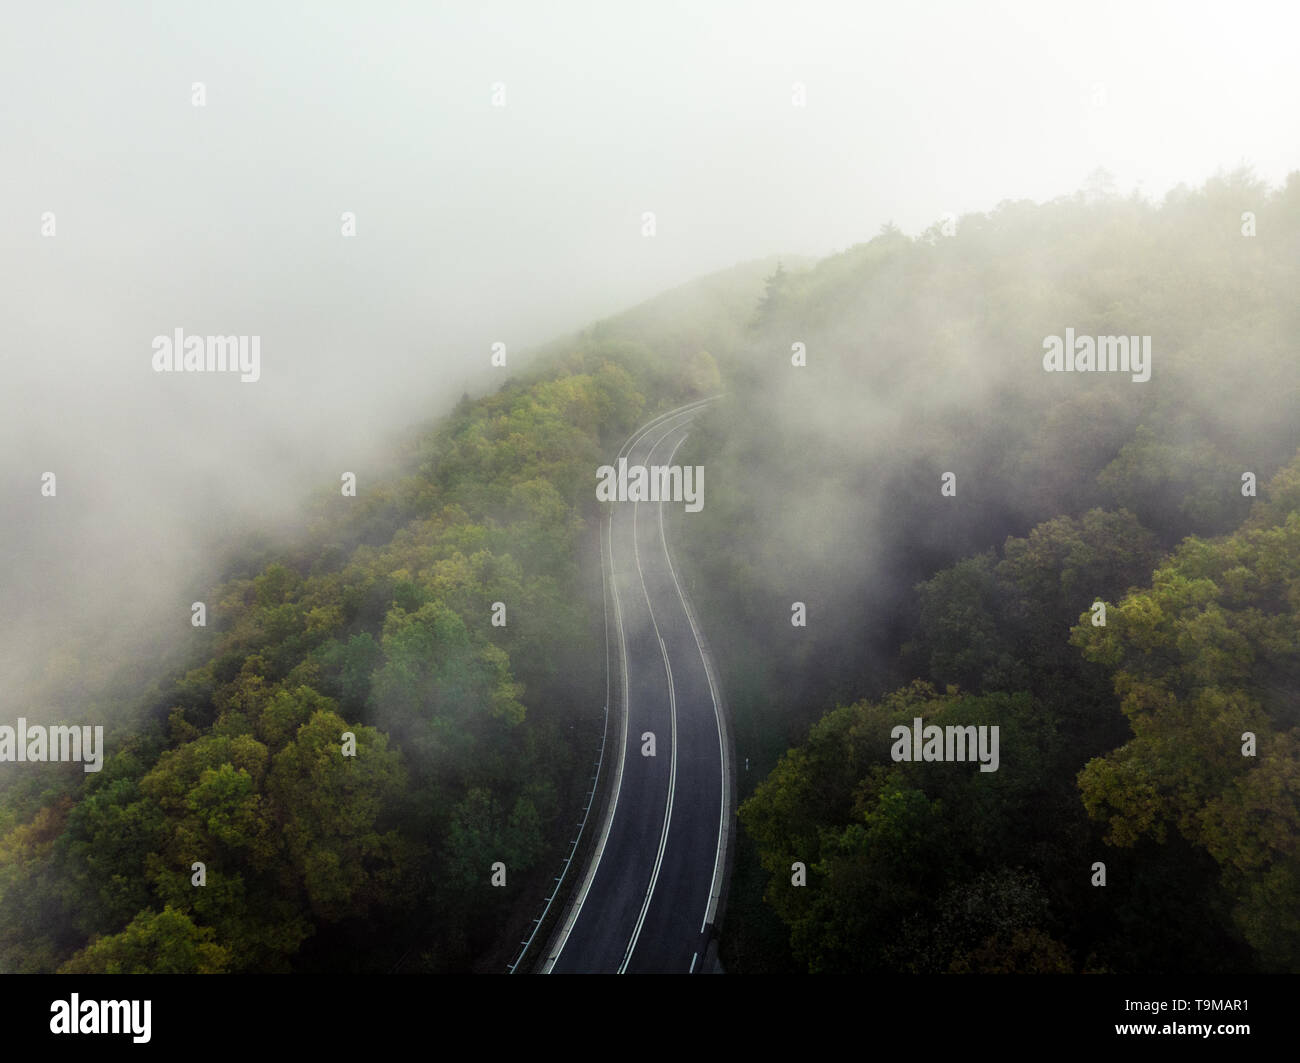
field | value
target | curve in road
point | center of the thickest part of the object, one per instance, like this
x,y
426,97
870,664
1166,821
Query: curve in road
x,y
656,877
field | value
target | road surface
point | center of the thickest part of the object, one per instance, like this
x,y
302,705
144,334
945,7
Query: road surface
x,y
651,890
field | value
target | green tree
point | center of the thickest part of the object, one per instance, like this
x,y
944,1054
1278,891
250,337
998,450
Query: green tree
x,y
166,942
1206,654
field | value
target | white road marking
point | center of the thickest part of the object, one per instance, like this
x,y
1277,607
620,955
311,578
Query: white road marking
x,y
711,906
672,715
668,816
583,890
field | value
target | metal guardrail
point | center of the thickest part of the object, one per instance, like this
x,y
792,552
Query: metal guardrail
x,y
568,860
595,782
540,921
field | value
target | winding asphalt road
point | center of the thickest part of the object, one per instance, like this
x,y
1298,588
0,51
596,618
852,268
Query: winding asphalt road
x,y
656,877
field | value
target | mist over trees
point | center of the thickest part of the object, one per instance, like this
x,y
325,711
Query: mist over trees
x,y
1122,743
923,356
471,738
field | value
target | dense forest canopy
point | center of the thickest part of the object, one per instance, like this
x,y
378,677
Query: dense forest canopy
x,y
471,738
1120,744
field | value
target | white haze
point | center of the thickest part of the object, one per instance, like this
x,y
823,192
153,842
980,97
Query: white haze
x,y
478,224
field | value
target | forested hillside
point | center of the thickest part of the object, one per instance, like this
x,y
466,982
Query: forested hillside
x,y
891,457
473,739
1122,743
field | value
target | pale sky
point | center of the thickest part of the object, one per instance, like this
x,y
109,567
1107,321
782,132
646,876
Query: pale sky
x,y
478,223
